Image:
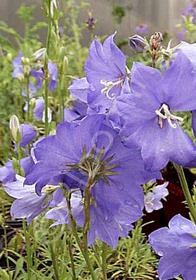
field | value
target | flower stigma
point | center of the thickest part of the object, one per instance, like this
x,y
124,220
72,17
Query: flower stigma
x,y
108,85
164,114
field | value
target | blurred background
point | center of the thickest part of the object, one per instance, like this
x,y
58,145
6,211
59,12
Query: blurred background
x,y
159,15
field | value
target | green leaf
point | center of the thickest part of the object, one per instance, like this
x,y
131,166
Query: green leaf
x,y
38,26
19,266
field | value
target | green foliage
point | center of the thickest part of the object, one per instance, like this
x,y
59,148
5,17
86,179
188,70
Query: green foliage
x,y
118,13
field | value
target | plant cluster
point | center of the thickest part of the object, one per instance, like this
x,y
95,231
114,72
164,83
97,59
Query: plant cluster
x,y
87,148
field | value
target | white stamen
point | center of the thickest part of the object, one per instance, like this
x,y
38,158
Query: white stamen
x,y
108,86
164,113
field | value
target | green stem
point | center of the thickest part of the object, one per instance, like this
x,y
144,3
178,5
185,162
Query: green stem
x,y
74,231
61,95
86,227
19,157
6,247
54,263
186,191
104,263
28,98
28,249
46,95
71,259
46,74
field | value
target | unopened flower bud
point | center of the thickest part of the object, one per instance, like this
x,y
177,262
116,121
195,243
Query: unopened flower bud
x,y
39,54
62,53
25,60
90,22
65,64
61,31
137,43
9,57
26,65
155,40
15,128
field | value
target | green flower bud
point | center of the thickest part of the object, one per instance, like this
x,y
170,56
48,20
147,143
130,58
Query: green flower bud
x,y
15,128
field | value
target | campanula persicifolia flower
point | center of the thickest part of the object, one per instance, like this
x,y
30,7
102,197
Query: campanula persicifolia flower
x,y
27,203
152,199
142,29
106,68
177,247
149,117
92,150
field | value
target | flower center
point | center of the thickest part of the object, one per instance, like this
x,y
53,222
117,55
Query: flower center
x,y
94,166
164,114
108,85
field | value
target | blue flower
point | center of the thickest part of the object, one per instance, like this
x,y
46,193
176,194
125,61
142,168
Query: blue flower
x,y
106,77
53,75
7,173
142,29
111,214
77,111
39,110
27,203
92,149
18,70
177,247
152,199
189,50
28,133
148,113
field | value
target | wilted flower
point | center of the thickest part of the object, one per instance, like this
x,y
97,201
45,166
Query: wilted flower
x,y
148,113
155,40
177,247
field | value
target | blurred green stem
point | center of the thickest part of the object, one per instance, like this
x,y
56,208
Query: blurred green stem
x,y
83,250
71,258
46,74
6,245
28,98
104,263
186,191
54,263
28,249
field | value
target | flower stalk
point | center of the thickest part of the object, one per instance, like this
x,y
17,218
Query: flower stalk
x,y
46,74
186,191
83,249
104,258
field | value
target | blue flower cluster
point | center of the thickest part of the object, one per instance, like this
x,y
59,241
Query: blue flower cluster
x,y
122,129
